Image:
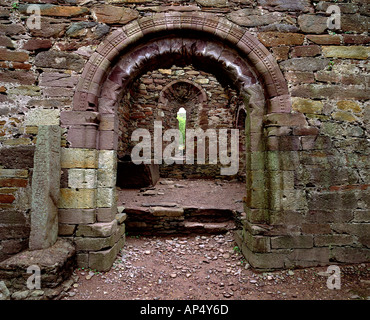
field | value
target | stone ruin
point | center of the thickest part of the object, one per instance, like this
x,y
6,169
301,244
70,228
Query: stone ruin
x,y
72,92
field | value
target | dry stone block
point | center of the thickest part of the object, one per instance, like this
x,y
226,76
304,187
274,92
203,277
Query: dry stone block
x,y
97,230
106,197
273,39
308,64
78,199
77,216
343,116
333,240
167,212
212,3
103,260
312,23
114,15
252,18
93,244
82,178
79,158
350,255
59,60
351,52
307,105
37,117
285,119
10,55
286,5
106,214
309,257
296,241
107,159
347,105
57,11
106,178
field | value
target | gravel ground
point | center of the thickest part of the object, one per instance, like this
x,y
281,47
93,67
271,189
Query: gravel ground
x,y
203,267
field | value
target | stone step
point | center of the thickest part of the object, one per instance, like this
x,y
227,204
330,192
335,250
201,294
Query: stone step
x,y
208,227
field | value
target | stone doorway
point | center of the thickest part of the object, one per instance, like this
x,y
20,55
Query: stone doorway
x,y
180,202
209,44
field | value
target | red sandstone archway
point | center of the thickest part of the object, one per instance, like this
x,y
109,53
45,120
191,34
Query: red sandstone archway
x,y
210,42
96,70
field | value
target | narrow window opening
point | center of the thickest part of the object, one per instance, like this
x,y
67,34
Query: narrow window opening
x,y
181,118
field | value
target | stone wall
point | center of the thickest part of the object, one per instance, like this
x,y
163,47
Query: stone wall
x,y
153,98
312,163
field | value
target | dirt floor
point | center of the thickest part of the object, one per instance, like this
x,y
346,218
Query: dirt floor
x,y
207,267
204,267
220,194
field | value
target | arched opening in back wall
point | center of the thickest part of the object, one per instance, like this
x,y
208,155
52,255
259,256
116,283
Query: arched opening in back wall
x,y
200,41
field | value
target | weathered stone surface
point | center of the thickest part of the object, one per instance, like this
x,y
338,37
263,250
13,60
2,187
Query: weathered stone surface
x,y
312,23
324,39
350,255
59,60
333,240
17,157
168,212
306,51
313,91
79,158
348,105
45,188
82,178
272,39
286,5
285,119
77,216
12,29
354,23
38,117
56,79
57,11
8,55
50,27
103,260
343,116
305,64
212,3
307,105
6,42
56,264
4,291
253,18
37,44
77,199
105,197
97,230
352,52
296,241
114,15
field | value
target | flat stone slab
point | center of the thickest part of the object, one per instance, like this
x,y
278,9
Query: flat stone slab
x,y
50,258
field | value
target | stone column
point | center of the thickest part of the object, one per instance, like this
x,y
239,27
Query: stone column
x,y
45,188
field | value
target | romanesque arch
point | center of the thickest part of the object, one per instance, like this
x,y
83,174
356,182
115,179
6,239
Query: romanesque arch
x,y
209,42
